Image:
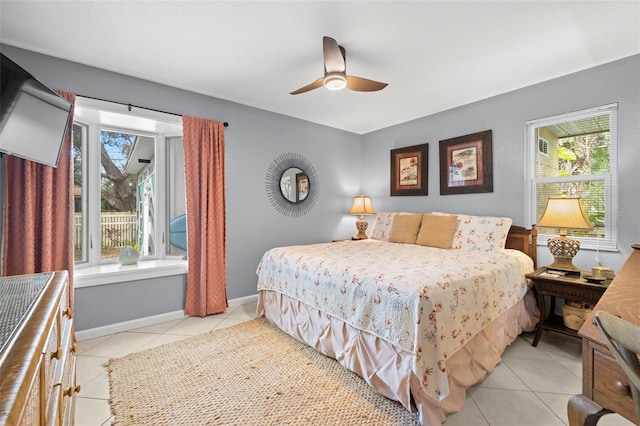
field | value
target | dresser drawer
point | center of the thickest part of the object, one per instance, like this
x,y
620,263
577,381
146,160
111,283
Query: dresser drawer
x,y
50,357
53,410
34,407
611,385
70,389
63,378
63,313
68,378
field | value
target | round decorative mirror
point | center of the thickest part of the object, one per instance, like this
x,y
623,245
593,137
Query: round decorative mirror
x,y
292,184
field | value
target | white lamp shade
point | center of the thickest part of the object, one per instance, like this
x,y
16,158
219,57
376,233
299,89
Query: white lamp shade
x,y
361,205
565,212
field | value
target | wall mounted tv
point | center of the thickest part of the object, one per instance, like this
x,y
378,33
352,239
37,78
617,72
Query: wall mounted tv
x,y
33,118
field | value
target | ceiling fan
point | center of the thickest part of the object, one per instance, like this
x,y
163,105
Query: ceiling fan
x,y
335,76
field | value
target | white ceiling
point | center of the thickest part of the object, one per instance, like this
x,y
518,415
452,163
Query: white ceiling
x,y
435,55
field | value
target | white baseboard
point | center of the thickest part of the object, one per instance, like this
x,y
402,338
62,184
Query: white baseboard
x,y
243,300
119,327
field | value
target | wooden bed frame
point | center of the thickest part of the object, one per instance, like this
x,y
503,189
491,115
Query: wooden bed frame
x,y
525,240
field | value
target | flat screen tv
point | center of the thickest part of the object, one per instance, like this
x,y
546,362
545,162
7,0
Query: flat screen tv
x,y
33,118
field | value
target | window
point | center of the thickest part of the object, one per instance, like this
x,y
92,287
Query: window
x,y
176,201
128,182
543,146
580,161
79,138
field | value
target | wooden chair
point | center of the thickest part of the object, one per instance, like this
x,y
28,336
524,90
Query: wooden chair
x,y
623,340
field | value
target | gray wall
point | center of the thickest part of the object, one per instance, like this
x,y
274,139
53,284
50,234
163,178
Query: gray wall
x,y
505,115
112,303
253,140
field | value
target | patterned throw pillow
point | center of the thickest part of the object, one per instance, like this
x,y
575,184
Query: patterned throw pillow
x,y
382,226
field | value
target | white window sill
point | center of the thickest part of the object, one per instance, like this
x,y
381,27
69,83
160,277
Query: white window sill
x,y
112,273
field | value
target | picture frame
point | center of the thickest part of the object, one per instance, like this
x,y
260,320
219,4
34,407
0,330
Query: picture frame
x,y
409,174
302,186
466,165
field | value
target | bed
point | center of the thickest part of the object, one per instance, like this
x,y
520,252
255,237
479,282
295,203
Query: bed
x,y
420,318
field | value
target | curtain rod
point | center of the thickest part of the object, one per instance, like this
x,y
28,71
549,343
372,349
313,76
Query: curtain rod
x,y
226,124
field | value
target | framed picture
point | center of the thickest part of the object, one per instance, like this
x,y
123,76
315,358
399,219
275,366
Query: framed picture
x,y
409,170
465,164
302,186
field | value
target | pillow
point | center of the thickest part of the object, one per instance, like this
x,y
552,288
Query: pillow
x,y
486,233
382,226
405,228
437,230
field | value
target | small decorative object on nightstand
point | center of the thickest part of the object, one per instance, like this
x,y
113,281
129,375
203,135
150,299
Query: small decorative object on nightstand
x,y
573,288
361,205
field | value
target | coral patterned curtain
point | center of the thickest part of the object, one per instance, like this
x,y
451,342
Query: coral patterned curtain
x,y
206,222
38,213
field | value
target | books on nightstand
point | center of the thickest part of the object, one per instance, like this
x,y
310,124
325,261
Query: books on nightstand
x,y
557,273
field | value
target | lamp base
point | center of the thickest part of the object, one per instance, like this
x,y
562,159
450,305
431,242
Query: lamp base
x,y
564,264
361,224
563,250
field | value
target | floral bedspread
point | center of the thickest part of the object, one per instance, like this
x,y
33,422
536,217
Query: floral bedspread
x,y
424,300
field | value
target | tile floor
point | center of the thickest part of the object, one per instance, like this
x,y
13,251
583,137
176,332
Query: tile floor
x,y
538,381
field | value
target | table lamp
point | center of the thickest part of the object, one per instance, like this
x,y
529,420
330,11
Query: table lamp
x,y
564,213
361,205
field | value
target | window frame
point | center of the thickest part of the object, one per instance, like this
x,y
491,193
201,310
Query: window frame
x,y
84,129
609,242
91,182
169,179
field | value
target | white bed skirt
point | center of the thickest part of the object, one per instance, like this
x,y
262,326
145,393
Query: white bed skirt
x,y
387,368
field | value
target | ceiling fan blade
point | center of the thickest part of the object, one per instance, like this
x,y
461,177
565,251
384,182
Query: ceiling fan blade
x,y
333,57
360,84
318,83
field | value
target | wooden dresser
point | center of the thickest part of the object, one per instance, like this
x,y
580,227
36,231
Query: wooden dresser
x,y
605,387
37,351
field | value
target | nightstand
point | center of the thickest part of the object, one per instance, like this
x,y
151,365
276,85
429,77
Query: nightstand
x,y
567,287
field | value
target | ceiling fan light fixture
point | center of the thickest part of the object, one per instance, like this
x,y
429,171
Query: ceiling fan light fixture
x,y
335,81
335,72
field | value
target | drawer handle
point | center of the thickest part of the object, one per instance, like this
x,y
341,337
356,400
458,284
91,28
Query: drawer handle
x,y
57,354
66,312
72,391
622,388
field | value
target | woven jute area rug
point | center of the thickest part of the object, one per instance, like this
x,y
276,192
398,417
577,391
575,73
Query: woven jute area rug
x,y
248,374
